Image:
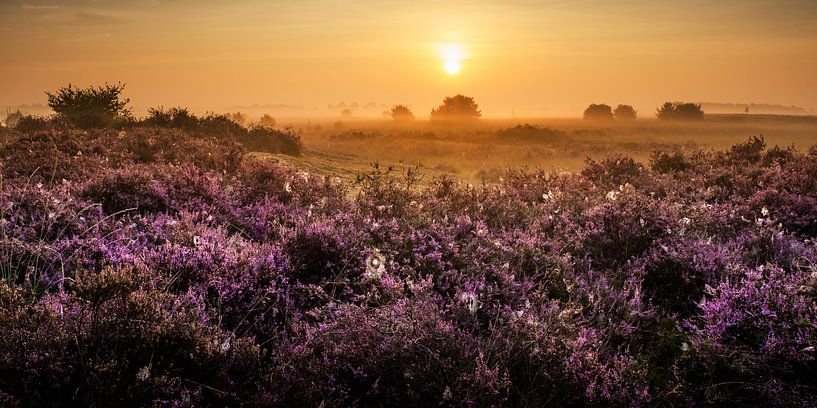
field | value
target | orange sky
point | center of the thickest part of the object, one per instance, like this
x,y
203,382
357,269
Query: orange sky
x,y
532,58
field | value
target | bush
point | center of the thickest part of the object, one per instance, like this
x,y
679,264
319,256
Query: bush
x,y
625,112
92,107
598,112
177,118
456,108
401,113
267,121
680,111
31,124
265,139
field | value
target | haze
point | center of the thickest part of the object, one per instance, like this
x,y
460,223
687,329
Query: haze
x,y
519,58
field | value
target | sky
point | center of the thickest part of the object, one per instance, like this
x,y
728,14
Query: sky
x,y
515,57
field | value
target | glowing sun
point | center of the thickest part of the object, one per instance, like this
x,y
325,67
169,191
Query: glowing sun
x,y
452,56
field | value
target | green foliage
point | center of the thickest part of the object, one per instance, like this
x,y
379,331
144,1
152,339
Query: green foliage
x,y
598,112
457,108
680,111
92,107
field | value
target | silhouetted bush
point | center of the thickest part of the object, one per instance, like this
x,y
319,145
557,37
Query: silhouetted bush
x,y
177,118
664,162
680,111
92,107
531,133
267,121
625,112
29,124
456,108
599,112
265,139
401,113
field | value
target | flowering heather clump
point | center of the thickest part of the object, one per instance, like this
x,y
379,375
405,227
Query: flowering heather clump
x,y
155,267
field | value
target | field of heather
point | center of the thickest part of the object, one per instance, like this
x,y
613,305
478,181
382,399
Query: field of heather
x,y
172,267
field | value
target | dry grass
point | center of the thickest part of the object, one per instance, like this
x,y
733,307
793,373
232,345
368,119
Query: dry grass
x,y
479,151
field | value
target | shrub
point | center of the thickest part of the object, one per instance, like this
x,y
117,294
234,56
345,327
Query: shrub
x,y
456,108
31,124
178,118
92,107
680,111
624,112
664,162
265,139
598,112
401,113
267,121
531,133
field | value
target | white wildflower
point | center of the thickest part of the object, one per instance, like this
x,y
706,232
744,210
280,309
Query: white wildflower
x,y
197,241
144,373
469,299
684,347
447,393
226,345
375,265
764,211
287,187
612,195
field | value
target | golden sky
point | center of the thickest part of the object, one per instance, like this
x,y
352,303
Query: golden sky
x,y
530,58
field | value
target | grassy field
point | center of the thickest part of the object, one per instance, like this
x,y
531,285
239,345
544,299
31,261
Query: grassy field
x,y
483,150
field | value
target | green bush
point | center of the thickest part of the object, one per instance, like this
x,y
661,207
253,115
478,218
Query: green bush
x,y
92,107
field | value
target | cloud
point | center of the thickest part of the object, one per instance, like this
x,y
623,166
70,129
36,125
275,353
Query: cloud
x,y
26,6
93,18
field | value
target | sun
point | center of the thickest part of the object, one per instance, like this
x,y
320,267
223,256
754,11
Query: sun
x,y
452,56
452,67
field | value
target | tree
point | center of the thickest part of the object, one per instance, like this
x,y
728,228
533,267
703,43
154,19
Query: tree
x,y
401,113
457,108
90,107
346,113
598,112
680,111
625,112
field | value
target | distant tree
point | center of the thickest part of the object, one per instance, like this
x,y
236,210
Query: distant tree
x,y
457,108
401,113
90,107
598,112
12,118
267,121
680,111
346,113
625,112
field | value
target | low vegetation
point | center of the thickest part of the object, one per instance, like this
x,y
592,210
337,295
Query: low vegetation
x,y
153,266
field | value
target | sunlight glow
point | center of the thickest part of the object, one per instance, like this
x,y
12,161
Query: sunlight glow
x,y
452,56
